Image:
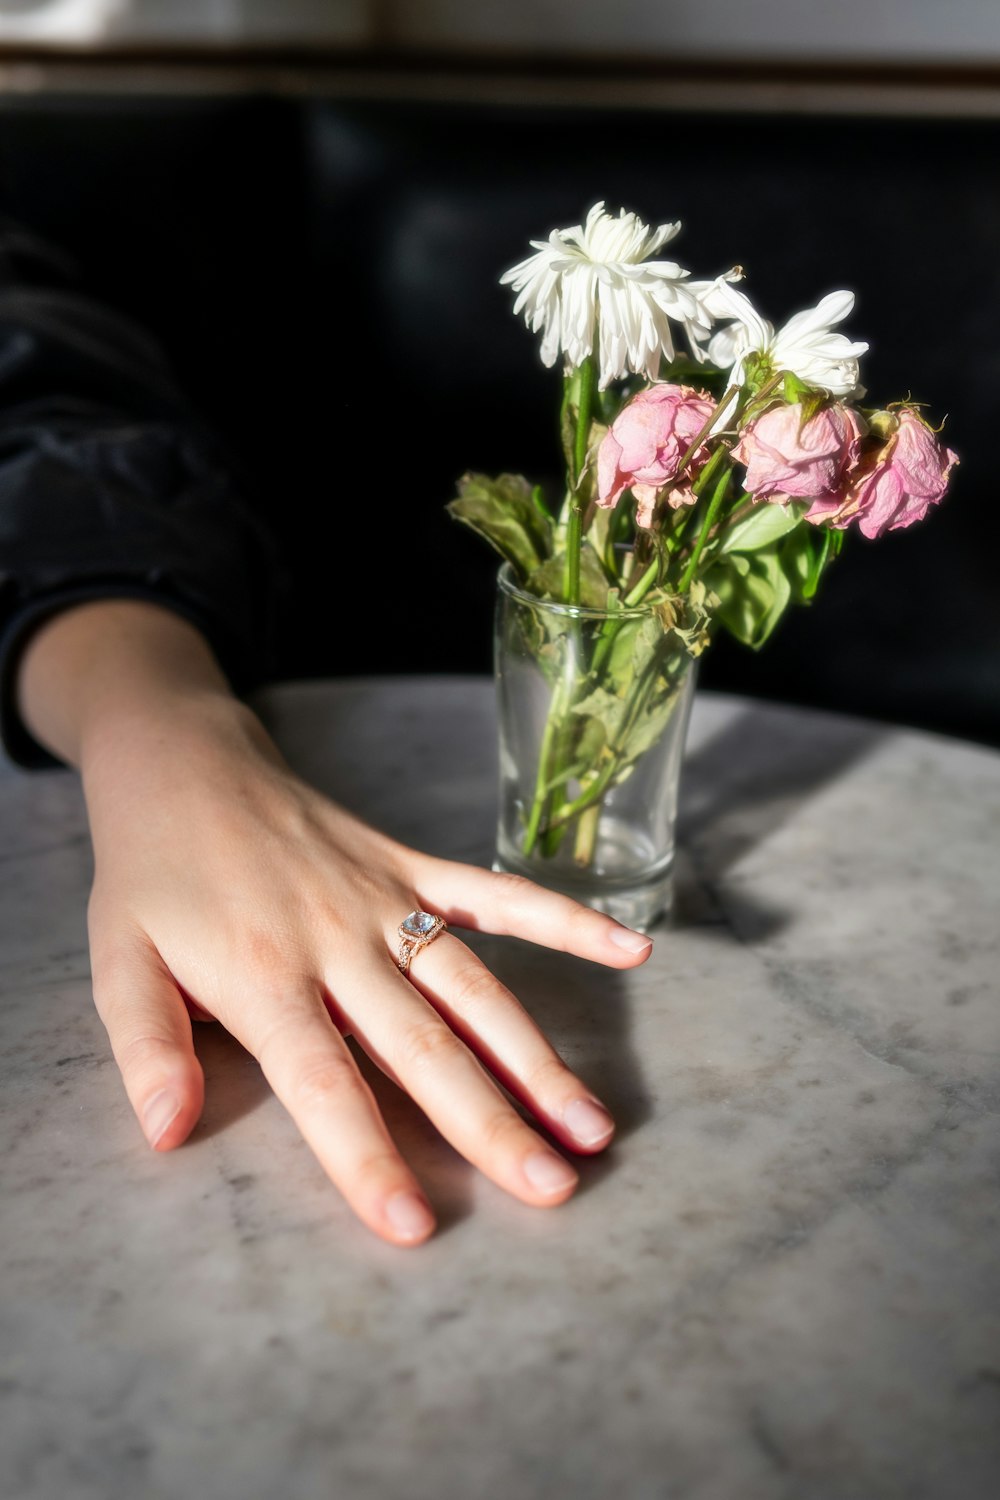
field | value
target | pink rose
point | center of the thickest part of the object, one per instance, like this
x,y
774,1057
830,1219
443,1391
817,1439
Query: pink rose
x,y
644,447
788,459
895,484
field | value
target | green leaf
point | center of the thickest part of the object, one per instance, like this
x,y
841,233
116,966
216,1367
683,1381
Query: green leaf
x,y
694,627
620,662
647,729
587,492
608,403
605,707
503,511
538,501
752,602
804,554
599,528
766,523
593,738
547,580
682,370
794,389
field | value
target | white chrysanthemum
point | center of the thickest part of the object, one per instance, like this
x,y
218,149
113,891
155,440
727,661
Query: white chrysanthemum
x,y
601,271
805,345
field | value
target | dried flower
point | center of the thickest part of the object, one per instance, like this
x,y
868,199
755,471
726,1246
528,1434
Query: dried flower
x,y
787,458
896,483
601,274
643,449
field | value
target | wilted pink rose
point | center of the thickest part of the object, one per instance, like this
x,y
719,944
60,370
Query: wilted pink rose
x,y
644,447
788,459
894,485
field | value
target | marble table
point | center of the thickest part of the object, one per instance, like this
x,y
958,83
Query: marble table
x,y
781,1282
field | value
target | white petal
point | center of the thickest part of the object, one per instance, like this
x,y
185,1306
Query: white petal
x,y
832,308
723,346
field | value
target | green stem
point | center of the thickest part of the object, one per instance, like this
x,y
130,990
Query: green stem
x,y
571,566
586,836
584,377
733,390
742,508
718,495
588,388
642,588
544,775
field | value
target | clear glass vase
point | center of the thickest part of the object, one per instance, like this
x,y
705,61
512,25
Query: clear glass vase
x,y
593,709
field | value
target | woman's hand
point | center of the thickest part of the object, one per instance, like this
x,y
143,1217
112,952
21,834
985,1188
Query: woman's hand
x,y
225,886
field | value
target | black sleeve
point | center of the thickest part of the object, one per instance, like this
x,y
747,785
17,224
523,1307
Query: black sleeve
x,y
109,485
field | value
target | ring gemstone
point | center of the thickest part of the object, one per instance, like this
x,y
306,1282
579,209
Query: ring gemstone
x,y
415,932
418,923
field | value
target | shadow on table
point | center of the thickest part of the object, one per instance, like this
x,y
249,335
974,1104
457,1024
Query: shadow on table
x,y
234,1083
741,785
585,1010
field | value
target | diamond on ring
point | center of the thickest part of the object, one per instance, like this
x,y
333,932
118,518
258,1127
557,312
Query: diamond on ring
x,y
415,932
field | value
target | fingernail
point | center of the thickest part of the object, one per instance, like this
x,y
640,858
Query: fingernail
x,y
159,1114
632,942
588,1121
548,1173
409,1215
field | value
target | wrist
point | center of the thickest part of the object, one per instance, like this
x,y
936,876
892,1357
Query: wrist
x,y
168,719
110,662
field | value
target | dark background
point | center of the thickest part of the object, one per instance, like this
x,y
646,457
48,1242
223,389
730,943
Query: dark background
x,y
323,274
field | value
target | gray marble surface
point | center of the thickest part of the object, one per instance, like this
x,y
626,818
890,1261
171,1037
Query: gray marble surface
x,y
781,1282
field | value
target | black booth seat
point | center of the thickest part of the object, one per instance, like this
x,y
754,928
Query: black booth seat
x,y
324,275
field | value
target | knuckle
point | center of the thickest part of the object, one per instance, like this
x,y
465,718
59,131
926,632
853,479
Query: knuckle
x,y
319,1083
277,1005
135,1054
513,889
579,916
475,987
501,1131
275,1036
546,1075
113,955
428,1045
376,1166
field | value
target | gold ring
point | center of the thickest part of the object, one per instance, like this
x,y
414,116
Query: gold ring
x,y
415,932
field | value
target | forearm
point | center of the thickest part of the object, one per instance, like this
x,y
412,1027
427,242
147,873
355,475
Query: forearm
x,y
113,669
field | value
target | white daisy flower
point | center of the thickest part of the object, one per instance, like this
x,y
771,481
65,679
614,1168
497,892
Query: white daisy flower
x,y
805,345
602,270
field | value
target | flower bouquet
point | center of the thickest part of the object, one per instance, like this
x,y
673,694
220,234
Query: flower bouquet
x,y
706,489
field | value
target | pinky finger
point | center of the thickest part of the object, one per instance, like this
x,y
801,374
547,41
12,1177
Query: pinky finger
x,y
150,1033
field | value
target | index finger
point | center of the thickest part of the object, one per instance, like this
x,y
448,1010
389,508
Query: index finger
x,y
512,906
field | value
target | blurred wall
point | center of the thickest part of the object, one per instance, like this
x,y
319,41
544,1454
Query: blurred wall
x,y
214,21
854,31
851,30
